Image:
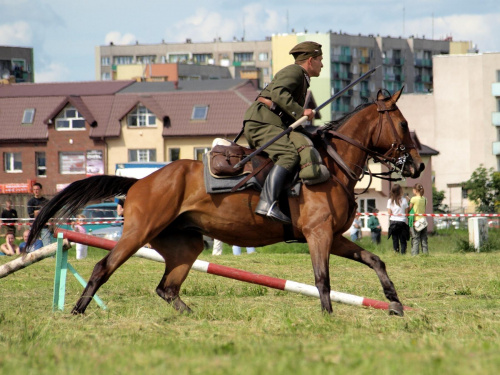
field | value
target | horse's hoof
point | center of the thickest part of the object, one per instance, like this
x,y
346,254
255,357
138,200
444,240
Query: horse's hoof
x,y
396,308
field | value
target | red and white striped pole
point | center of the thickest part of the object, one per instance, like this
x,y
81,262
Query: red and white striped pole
x,y
234,273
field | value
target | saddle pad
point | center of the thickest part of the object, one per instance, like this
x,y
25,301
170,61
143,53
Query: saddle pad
x,y
215,185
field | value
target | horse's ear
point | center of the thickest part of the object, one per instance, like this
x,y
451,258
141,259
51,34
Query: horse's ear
x,y
380,95
397,94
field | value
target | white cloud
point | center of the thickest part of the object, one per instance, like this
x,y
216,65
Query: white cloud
x,y
54,72
479,28
16,34
261,21
117,38
203,26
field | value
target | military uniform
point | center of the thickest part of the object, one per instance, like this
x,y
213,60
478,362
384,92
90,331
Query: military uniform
x,y
279,105
288,91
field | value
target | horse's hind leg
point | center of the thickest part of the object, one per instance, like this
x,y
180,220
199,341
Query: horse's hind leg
x,y
180,251
347,249
124,249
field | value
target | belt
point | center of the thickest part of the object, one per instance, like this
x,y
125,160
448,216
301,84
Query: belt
x,y
273,107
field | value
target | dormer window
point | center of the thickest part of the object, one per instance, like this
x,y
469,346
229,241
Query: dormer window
x,y
70,119
28,115
140,116
199,112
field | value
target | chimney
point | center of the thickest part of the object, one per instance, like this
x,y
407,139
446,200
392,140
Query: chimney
x,y
176,85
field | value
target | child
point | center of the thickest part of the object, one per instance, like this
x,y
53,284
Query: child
x,y
81,250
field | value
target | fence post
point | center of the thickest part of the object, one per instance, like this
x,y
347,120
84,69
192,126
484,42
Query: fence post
x,y
478,232
62,266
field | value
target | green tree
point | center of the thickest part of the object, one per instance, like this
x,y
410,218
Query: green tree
x,y
437,201
483,188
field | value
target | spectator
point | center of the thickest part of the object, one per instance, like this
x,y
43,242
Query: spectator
x,y
81,250
10,247
9,215
418,203
237,250
374,225
35,204
355,229
37,245
397,208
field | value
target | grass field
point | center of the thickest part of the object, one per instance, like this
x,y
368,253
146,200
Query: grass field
x,y
240,328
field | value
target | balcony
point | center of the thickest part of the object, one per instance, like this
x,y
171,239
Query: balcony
x,y
495,118
496,148
394,61
364,93
495,89
342,58
426,79
364,60
389,77
400,77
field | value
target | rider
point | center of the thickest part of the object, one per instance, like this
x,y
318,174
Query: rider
x,y
278,106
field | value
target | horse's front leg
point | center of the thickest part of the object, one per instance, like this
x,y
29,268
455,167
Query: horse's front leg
x,y
319,240
348,249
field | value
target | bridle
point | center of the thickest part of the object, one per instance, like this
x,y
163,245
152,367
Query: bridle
x,y
394,159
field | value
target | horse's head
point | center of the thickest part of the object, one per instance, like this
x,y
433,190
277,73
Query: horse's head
x,y
392,137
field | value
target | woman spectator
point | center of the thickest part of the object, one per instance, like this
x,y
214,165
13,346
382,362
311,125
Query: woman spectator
x,y
10,247
397,208
418,203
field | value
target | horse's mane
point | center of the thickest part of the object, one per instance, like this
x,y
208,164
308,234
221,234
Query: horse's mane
x,y
336,124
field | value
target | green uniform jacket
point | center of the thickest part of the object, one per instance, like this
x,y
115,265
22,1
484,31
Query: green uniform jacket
x,y
288,90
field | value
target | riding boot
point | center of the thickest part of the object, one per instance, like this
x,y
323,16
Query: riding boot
x,y
273,185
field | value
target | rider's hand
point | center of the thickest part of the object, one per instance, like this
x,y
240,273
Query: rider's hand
x,y
309,113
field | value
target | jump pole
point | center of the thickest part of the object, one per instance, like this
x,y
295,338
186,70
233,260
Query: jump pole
x,y
234,273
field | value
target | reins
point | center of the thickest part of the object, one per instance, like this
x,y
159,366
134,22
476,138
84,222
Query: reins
x,y
392,163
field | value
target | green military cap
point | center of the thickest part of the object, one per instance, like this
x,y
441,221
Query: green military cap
x,y
304,50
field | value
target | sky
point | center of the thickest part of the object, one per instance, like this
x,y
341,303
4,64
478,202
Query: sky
x,y
65,33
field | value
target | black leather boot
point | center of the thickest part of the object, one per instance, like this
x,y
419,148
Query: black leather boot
x,y
268,204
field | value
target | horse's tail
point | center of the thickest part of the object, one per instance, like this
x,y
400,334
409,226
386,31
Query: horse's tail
x,y
76,195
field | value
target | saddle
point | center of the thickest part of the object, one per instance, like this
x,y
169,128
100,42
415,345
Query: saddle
x,y
225,154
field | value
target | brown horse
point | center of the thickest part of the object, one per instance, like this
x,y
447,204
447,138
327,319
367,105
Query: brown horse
x,y
171,210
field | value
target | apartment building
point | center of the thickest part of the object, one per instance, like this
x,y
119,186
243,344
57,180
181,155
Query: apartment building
x,y
460,118
245,59
403,61
16,64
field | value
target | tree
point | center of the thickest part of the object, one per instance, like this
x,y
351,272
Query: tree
x,y
483,188
437,201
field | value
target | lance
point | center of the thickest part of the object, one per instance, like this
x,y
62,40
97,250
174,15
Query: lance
x,y
301,120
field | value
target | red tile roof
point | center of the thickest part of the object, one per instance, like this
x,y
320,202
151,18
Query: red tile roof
x,y
62,89
104,112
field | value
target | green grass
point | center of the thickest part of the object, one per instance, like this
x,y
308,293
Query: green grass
x,y
240,328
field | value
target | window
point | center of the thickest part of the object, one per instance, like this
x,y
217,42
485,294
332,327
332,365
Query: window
x,y
148,59
70,119
106,76
174,154
13,162
178,58
199,112
123,60
41,168
498,75
202,58
243,56
142,155
28,116
366,205
72,163
105,61
141,117
263,56
198,152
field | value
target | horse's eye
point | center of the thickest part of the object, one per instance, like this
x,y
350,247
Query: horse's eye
x,y
404,124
